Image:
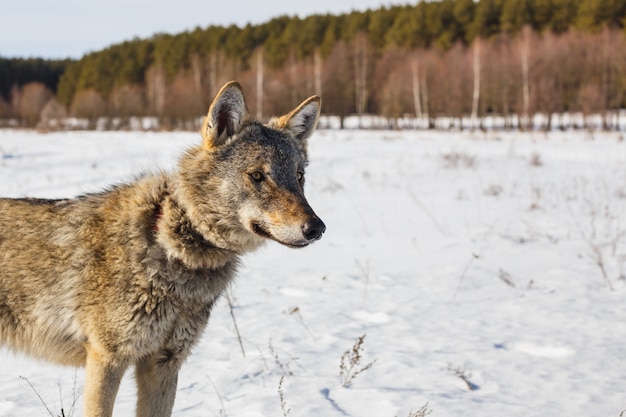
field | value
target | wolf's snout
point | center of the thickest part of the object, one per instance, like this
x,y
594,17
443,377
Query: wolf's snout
x,y
313,229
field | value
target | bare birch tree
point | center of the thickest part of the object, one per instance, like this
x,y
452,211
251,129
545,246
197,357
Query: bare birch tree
x,y
417,100
127,101
34,97
197,73
156,88
213,63
360,73
51,115
524,55
476,71
88,104
317,71
259,83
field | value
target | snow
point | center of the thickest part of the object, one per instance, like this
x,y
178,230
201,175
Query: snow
x,y
467,259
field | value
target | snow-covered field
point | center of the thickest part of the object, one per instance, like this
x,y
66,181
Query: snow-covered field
x,y
487,270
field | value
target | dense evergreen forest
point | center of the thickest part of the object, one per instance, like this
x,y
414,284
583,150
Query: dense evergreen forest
x,y
439,58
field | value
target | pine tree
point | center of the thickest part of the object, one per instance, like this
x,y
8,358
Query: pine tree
x,y
515,14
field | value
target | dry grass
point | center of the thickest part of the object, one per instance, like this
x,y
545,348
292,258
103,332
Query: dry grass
x,y
350,365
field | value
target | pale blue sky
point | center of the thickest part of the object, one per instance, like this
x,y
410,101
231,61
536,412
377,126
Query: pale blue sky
x,y
70,28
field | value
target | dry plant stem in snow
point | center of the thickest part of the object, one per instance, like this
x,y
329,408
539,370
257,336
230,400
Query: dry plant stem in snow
x,y
456,159
295,312
506,278
596,245
38,395
71,410
464,376
281,395
422,412
232,314
350,365
75,396
284,366
467,266
223,409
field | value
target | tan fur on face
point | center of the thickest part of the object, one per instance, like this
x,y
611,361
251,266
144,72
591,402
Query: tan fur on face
x,y
284,218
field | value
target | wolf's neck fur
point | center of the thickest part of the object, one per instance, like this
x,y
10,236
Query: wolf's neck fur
x,y
185,240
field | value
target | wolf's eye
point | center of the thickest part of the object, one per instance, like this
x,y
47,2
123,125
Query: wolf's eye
x,y
257,176
300,176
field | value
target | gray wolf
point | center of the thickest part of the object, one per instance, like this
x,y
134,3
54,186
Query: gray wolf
x,y
127,277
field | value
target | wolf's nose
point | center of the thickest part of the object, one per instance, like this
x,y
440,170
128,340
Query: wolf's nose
x,y
313,229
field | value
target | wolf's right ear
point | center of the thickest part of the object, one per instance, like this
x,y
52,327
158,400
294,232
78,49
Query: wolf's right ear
x,y
226,115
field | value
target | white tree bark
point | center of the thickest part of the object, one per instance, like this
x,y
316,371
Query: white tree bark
x,y
417,100
317,69
360,74
259,84
525,83
476,92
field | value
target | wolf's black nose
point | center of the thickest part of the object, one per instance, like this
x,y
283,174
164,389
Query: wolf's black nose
x,y
313,229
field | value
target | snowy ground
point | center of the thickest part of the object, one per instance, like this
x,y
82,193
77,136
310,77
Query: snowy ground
x,y
487,271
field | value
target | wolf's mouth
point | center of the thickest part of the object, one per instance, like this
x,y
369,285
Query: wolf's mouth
x,y
259,230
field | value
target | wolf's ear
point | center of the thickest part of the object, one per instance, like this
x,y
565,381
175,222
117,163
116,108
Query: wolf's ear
x,y
226,115
301,121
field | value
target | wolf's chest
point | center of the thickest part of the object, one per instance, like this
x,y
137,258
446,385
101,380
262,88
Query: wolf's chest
x,y
173,307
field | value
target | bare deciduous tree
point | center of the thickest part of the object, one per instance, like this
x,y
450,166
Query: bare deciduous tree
x,y
417,89
338,82
127,101
183,101
361,62
476,85
88,104
260,66
5,109
52,114
33,98
317,71
156,89
525,63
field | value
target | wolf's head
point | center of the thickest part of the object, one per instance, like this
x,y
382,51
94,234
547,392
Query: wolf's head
x,y
245,183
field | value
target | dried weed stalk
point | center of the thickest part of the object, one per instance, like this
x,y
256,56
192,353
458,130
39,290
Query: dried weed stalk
x,y
422,412
465,376
350,365
281,395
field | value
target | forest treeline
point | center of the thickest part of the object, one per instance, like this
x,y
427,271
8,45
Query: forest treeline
x,y
449,58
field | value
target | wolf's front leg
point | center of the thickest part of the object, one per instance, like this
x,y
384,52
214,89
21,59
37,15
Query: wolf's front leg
x,y
103,376
157,377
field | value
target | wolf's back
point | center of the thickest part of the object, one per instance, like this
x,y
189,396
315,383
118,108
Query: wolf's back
x,y
35,301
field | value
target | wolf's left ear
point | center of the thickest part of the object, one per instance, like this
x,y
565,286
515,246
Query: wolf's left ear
x,y
226,115
301,122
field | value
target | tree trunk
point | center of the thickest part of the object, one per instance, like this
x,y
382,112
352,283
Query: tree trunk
x,y
213,72
196,69
525,83
293,78
360,74
155,85
317,69
476,92
259,84
417,102
425,107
